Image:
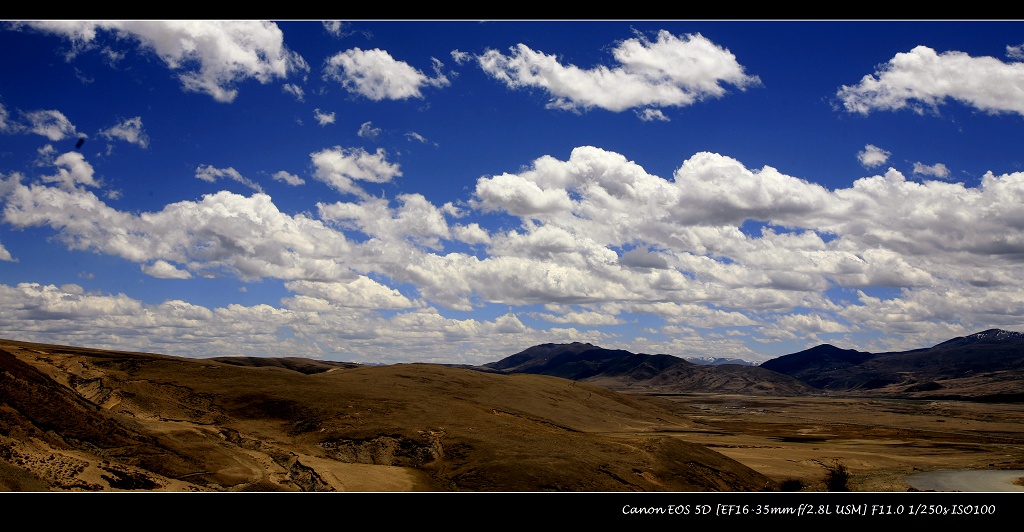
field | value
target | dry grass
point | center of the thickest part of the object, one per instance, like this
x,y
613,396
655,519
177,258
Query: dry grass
x,y
879,441
86,420
89,420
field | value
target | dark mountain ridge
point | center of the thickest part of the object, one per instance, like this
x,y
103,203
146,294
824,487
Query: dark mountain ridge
x,y
812,365
989,336
622,370
988,365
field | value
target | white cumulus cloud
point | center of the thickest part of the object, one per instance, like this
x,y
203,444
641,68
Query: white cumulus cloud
x,y
288,178
130,131
6,126
223,232
51,124
873,156
670,71
6,255
922,79
651,115
210,174
340,167
378,76
323,118
210,56
367,131
361,292
294,90
938,170
461,57
72,170
165,270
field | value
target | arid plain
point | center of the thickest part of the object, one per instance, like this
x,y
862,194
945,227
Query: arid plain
x,y
880,442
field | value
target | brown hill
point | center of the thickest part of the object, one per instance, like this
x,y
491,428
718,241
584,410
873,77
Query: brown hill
x,y
308,366
82,419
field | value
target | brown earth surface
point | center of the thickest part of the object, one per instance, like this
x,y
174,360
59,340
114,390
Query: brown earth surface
x,y
75,419
878,441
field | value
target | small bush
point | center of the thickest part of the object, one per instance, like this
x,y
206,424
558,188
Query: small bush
x,y
792,484
836,477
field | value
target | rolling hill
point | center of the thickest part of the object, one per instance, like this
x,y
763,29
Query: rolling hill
x,y
76,419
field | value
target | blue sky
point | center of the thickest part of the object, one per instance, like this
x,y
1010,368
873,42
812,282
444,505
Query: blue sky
x,y
457,191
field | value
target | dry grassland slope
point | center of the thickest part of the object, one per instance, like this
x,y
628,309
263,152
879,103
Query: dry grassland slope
x,y
79,419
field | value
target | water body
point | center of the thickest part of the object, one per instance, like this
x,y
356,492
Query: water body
x,y
968,480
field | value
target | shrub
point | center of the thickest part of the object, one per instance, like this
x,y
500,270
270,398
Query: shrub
x,y
792,484
836,477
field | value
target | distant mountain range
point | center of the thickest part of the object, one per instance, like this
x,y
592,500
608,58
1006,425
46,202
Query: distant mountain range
x,y
625,371
988,365
984,365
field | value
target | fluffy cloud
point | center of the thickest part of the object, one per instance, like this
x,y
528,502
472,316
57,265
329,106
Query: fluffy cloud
x,y
211,56
471,234
415,220
51,124
938,170
68,314
683,235
340,167
294,90
922,79
595,238
361,292
210,174
460,57
165,270
130,131
224,232
804,327
670,71
285,177
519,196
336,28
565,314
651,115
323,118
367,131
6,126
378,76
873,156
884,231
73,170
66,302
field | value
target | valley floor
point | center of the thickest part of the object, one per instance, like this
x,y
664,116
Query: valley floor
x,y
878,442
